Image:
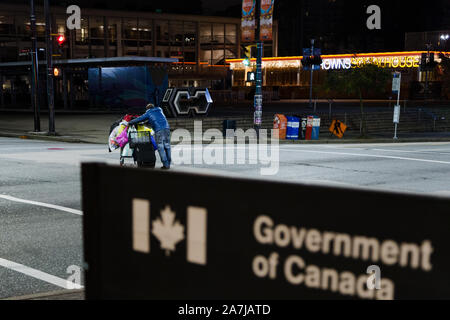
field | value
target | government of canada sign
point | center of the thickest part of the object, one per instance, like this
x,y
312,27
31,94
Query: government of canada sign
x,y
207,239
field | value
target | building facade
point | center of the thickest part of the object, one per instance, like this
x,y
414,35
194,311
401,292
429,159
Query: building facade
x,y
287,76
200,43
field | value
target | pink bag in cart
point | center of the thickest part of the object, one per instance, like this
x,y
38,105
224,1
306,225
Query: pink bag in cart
x,y
122,138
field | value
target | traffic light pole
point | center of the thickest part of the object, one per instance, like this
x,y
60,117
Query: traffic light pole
x,y
426,72
49,51
34,69
312,73
258,100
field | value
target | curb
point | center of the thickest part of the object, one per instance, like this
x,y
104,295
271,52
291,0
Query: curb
x,y
69,139
44,137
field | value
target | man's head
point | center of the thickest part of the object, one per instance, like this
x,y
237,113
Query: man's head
x,y
149,106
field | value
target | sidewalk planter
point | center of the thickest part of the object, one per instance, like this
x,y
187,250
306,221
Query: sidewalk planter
x,y
293,126
280,123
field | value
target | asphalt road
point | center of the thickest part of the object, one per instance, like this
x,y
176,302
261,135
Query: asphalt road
x,y
40,241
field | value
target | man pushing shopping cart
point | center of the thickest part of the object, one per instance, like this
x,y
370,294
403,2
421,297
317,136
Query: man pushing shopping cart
x,y
156,119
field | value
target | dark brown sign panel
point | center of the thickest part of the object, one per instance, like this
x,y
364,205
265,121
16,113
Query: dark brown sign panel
x,y
150,234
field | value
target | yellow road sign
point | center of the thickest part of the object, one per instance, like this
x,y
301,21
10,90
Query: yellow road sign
x,y
338,128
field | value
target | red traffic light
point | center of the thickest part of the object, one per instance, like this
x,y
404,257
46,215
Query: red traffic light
x,y
61,39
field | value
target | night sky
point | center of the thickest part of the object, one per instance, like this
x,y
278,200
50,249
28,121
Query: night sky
x,y
338,25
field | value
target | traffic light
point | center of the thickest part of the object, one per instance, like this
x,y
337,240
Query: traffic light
x,y
61,39
247,54
56,72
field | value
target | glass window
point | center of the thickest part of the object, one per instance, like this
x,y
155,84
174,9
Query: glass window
x,y
82,35
176,34
162,32
114,30
60,24
218,33
130,30
162,38
231,34
7,24
96,29
23,27
205,33
145,37
145,30
190,34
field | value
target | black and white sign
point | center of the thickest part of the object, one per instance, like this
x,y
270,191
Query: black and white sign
x,y
179,102
172,235
397,114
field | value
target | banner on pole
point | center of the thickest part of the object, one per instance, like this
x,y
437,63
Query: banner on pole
x,y
266,20
248,20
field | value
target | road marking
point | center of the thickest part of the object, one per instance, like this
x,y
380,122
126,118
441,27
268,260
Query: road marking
x,y
369,155
66,284
412,151
42,204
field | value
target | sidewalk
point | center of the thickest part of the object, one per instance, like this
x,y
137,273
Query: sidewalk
x,y
94,128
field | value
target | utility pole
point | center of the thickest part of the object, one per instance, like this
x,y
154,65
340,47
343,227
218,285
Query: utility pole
x,y
258,100
312,72
49,51
34,69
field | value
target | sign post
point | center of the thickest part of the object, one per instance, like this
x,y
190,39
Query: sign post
x,y
396,85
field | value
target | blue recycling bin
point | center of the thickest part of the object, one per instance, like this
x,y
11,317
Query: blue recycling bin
x,y
315,129
292,129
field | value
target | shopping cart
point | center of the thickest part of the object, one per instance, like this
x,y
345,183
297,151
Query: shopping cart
x,y
141,144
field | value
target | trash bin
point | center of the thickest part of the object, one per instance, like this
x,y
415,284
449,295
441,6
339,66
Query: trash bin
x,y
302,127
315,128
280,123
309,127
292,129
228,125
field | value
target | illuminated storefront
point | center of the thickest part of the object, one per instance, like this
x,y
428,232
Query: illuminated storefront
x,y
288,72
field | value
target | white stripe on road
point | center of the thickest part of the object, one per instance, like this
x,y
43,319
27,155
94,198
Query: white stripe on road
x,y
367,155
42,204
66,284
411,151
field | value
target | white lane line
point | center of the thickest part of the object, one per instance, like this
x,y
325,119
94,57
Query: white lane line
x,y
66,284
42,204
411,151
368,155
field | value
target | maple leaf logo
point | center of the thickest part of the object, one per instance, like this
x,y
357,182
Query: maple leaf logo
x,y
168,231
